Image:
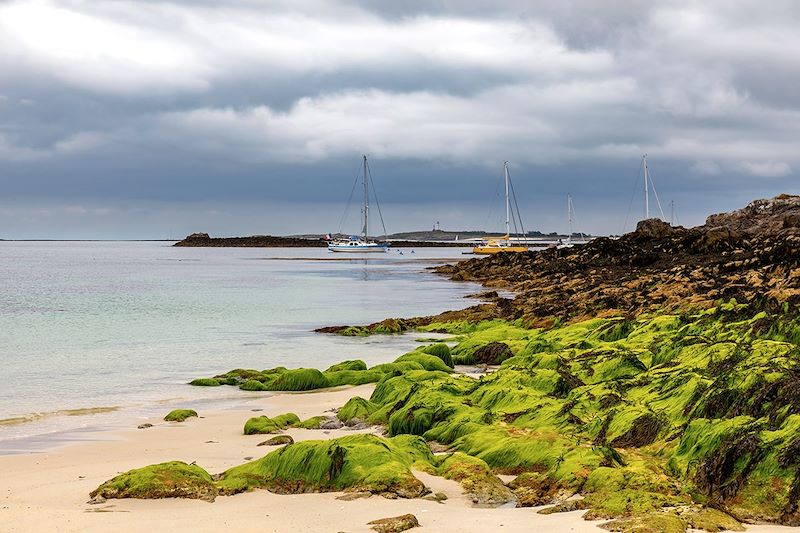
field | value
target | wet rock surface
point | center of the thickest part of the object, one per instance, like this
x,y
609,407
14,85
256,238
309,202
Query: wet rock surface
x,y
395,524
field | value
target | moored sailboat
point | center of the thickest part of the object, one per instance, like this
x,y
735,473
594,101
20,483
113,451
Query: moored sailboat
x,y
504,244
361,243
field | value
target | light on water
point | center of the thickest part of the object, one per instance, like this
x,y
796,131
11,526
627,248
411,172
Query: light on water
x,y
92,324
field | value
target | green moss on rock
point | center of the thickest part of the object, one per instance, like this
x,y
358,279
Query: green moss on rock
x,y
165,480
265,424
179,415
358,462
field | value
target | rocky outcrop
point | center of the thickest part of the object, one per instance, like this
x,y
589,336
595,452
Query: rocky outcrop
x,y
269,241
752,255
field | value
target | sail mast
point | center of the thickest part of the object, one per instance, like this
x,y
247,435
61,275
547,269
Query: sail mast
x,y
508,203
366,200
646,191
569,215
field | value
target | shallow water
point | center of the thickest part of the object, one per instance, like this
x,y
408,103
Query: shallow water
x,y
121,325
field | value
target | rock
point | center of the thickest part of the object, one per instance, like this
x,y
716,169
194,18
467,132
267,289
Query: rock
x,y
653,228
277,440
436,497
332,423
350,496
165,480
563,507
395,524
533,489
493,353
179,415
145,426
97,500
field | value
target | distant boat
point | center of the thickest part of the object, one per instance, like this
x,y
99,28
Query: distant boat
x,y
361,243
503,244
567,243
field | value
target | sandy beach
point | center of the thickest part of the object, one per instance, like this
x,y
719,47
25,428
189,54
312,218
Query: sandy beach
x,y
49,491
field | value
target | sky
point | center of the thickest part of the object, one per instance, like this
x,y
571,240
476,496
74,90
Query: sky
x,y
156,119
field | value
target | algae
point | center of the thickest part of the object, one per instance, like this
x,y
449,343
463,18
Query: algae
x,y
179,415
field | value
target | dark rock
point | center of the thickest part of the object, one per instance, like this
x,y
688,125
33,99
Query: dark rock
x,y
395,524
493,353
277,440
145,426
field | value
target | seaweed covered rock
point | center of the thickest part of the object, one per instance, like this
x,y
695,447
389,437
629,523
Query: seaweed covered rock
x,y
440,350
394,524
356,409
493,353
166,480
205,382
356,364
477,480
533,489
265,424
301,379
277,440
364,463
179,415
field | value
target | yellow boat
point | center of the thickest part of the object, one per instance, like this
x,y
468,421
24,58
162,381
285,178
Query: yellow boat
x,y
503,244
498,246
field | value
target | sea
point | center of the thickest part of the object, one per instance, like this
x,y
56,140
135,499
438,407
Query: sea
x,y
97,335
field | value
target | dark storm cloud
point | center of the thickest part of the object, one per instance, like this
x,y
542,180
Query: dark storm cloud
x,y
124,109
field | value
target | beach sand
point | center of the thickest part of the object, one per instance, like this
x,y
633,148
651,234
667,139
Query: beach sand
x,y
49,491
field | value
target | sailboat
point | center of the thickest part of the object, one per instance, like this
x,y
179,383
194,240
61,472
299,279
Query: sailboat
x,y
567,243
361,243
503,244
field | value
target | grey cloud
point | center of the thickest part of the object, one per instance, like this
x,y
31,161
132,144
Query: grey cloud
x,y
196,101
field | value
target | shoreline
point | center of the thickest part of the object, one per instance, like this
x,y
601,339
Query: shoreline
x,y
54,486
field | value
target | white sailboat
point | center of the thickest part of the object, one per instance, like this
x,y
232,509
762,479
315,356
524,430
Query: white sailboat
x,y
361,243
504,244
567,243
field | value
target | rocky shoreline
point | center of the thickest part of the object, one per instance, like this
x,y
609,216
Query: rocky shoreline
x,y
651,381
203,240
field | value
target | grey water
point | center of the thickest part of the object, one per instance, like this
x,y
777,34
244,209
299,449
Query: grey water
x,y
94,333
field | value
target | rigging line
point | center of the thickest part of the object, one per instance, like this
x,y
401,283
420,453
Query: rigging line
x,y
652,183
633,196
575,221
516,206
349,201
492,205
377,203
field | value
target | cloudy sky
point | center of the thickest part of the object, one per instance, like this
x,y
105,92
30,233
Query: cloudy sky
x,y
151,119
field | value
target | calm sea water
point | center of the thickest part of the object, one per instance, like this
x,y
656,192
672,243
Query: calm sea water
x,y
126,325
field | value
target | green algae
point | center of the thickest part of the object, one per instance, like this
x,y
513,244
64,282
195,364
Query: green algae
x,y
358,462
356,409
179,415
265,424
312,423
355,364
205,382
442,351
476,479
300,379
165,480
633,414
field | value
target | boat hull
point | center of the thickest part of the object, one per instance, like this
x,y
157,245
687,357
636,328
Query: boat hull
x,y
359,248
492,250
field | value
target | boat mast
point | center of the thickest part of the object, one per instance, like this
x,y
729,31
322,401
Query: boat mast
x,y
646,191
366,200
508,203
569,215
